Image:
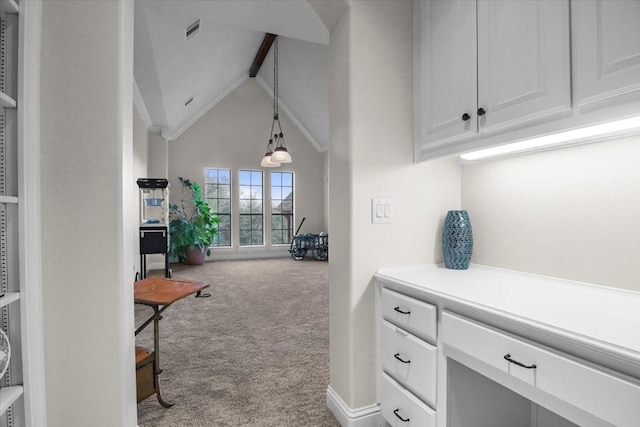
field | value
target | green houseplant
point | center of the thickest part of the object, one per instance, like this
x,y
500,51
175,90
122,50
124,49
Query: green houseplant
x,y
193,225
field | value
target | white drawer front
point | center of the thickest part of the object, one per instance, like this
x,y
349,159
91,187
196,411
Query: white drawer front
x,y
610,398
410,314
410,361
402,409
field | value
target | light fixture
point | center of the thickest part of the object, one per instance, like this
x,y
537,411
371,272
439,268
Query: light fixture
x,y
610,129
267,162
274,157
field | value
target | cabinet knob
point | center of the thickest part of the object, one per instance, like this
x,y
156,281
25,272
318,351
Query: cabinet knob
x,y
481,111
465,117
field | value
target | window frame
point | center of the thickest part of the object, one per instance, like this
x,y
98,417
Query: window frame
x,y
251,214
231,210
292,215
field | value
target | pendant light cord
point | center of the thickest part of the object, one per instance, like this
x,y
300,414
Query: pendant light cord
x,y
275,90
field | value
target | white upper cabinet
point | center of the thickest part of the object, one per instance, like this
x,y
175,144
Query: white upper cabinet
x,y
606,49
445,78
486,66
524,69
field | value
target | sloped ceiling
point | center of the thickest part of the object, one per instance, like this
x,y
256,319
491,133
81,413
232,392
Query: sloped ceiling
x,y
169,70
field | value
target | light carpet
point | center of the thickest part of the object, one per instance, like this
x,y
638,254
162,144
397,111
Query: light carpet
x,y
256,353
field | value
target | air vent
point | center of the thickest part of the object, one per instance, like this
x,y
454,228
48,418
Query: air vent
x,y
188,101
192,29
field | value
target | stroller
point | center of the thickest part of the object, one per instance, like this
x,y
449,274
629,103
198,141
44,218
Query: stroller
x,y
318,243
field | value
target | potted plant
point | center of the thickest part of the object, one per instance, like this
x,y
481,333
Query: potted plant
x,y
192,225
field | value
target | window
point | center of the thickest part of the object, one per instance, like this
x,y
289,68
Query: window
x,y
251,212
281,207
218,194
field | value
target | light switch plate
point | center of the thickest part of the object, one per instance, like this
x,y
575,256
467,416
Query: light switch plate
x,y
381,211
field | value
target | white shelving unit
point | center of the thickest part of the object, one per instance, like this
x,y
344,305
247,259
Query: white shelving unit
x,y
6,101
8,396
8,298
12,407
9,6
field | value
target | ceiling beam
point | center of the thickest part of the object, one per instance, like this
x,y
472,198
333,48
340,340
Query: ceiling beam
x,y
262,54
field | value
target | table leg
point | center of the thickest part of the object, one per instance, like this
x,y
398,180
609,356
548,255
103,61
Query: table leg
x,y
156,349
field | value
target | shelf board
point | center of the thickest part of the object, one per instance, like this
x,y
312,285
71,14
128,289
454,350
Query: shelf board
x,y
8,395
8,298
9,6
6,101
8,199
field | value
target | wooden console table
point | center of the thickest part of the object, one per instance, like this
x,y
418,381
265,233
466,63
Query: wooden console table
x,y
158,293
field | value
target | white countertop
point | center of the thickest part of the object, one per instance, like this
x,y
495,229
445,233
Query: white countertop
x,y
608,316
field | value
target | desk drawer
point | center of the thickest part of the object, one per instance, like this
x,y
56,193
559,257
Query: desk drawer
x,y
410,314
402,409
410,361
610,398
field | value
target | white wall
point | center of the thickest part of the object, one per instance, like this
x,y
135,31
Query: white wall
x,y
140,159
157,156
572,213
87,220
234,135
371,155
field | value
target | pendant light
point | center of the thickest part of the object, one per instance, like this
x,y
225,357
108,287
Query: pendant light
x,y
276,149
266,160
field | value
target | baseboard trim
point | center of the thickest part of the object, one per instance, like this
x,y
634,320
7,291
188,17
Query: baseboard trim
x,y
366,416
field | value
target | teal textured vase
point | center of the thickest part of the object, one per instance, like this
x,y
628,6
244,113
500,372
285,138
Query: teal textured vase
x,y
457,240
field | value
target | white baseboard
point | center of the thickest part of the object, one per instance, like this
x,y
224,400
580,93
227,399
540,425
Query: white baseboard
x,y
367,416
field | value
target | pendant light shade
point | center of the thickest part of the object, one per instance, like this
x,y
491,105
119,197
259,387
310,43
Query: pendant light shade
x,y
277,152
280,154
267,160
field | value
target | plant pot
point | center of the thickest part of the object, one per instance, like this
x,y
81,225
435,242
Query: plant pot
x,y
195,256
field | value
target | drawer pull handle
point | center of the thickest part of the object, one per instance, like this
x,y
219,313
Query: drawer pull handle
x,y
402,312
397,356
404,420
508,358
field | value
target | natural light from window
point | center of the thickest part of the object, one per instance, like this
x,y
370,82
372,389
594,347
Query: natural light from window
x,y
217,184
251,209
281,207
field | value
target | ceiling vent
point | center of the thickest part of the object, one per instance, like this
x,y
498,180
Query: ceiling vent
x,y
191,30
188,101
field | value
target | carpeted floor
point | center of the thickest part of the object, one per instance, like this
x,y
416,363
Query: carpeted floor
x,y
256,353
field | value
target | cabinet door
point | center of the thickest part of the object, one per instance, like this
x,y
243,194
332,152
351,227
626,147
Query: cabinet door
x,y
606,52
523,62
445,70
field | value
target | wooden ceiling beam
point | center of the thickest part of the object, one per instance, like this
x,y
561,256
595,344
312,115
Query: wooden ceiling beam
x,y
262,54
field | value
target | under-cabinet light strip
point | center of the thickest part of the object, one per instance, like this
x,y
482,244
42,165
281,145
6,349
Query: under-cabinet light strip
x,y
567,136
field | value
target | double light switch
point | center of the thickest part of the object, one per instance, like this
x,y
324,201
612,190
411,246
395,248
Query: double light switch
x,y
381,211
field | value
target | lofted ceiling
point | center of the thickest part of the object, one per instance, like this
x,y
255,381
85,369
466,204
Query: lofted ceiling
x,y
170,70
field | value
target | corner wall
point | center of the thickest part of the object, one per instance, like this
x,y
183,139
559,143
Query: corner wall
x,y
371,155
87,220
572,213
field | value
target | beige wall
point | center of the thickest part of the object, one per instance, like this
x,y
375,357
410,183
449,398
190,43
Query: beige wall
x,y
87,223
157,156
234,135
371,155
571,213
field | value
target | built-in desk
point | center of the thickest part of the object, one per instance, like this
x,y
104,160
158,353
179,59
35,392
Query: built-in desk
x,y
571,348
